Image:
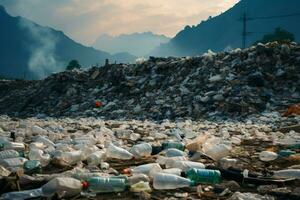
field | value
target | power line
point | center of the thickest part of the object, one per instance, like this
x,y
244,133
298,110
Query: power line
x,y
245,19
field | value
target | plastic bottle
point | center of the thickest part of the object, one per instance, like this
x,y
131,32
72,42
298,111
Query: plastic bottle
x,y
286,153
38,130
70,158
176,145
162,181
26,194
288,173
9,154
96,158
205,176
136,178
196,144
186,165
18,146
174,171
268,156
44,140
172,152
13,164
147,169
106,184
141,150
226,163
119,153
63,186
37,154
168,161
218,151
32,166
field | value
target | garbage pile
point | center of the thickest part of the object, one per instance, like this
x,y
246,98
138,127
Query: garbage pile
x,y
234,84
111,159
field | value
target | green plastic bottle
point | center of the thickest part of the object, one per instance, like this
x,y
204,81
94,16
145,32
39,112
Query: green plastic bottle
x,y
176,145
32,166
286,153
107,184
204,176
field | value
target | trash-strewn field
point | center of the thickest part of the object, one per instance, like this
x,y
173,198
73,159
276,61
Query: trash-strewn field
x,y
217,126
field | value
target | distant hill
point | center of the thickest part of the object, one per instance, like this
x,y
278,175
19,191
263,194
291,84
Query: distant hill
x,y
31,51
224,31
139,44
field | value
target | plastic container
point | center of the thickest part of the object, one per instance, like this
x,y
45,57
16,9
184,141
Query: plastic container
x,y
196,144
218,151
174,171
44,140
106,184
172,152
168,161
63,186
18,146
176,145
9,154
13,164
37,154
26,194
288,173
70,158
136,178
286,153
32,166
186,165
267,156
226,163
36,130
162,181
141,150
96,158
141,187
147,169
204,176
119,153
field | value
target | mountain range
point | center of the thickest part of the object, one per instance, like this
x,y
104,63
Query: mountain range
x,y
31,51
138,44
225,30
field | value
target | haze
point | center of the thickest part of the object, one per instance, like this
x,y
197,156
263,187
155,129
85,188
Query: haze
x,y
85,20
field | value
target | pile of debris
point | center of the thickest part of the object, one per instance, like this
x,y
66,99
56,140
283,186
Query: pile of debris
x,y
62,158
231,84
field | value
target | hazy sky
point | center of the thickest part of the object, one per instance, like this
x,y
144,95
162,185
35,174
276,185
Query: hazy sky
x,y
85,20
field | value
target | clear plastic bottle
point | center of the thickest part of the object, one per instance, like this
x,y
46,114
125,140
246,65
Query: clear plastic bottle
x,y
26,194
70,158
226,163
288,173
205,176
176,145
63,186
218,151
168,161
186,165
268,156
162,181
44,140
175,171
147,169
138,178
9,154
172,152
106,184
36,130
141,150
96,158
13,164
119,153
37,154
18,146
196,144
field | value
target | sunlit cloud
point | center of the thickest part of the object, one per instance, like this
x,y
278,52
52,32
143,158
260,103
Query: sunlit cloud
x,y
85,20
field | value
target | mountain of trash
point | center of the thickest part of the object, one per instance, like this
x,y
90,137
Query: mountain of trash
x,y
238,83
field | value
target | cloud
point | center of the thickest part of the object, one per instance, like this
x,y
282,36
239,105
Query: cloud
x,y
85,20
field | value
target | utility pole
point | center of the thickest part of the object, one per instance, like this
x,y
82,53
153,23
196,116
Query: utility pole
x,y
244,34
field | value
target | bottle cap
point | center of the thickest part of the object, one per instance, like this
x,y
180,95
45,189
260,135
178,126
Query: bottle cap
x,y
85,185
127,171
